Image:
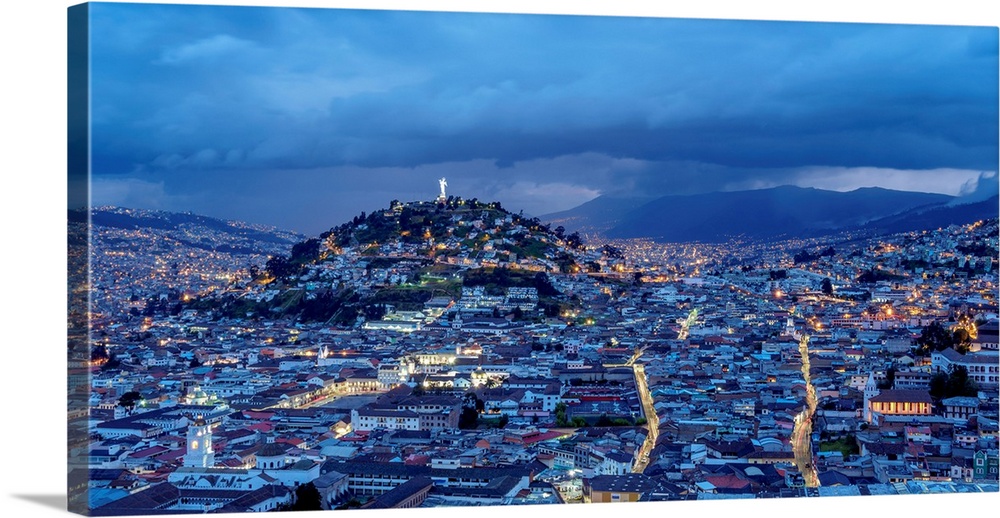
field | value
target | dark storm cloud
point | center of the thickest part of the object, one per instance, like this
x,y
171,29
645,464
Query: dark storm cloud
x,y
186,98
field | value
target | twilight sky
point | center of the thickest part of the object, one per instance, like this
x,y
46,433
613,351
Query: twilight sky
x,y
301,118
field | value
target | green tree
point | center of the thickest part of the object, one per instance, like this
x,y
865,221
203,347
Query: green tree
x,y
129,400
938,385
375,311
954,383
99,354
307,498
934,337
471,407
827,286
469,400
574,240
112,363
961,340
960,384
560,413
890,378
279,267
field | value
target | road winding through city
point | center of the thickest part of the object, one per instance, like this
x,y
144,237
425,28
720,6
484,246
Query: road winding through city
x,y
801,434
652,422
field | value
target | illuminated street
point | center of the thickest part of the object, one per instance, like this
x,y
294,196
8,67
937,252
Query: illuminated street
x,y
642,457
801,442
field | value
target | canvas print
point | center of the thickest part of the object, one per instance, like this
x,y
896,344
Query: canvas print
x,y
357,259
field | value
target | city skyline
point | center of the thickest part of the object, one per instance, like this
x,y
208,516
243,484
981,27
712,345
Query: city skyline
x,y
300,118
36,112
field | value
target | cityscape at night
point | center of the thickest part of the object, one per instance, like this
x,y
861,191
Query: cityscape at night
x,y
485,360
344,259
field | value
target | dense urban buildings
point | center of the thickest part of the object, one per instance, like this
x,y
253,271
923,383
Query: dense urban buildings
x,y
451,353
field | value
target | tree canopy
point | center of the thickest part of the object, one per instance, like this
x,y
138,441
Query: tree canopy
x,y
955,383
307,498
471,407
936,337
129,400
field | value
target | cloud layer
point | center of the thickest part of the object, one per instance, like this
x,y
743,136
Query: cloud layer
x,y
554,108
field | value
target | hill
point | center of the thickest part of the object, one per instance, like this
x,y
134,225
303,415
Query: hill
x,y
457,227
192,230
400,257
937,217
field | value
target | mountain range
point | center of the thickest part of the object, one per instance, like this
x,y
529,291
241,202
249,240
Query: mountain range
x,y
767,214
192,230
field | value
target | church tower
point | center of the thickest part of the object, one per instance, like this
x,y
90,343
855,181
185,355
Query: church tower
x,y
790,327
321,355
199,445
871,390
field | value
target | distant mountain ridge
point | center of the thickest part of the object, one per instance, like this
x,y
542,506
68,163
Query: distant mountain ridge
x,y
937,217
766,214
597,215
779,212
118,217
193,230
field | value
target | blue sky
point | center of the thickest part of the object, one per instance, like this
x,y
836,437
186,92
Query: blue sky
x,y
301,118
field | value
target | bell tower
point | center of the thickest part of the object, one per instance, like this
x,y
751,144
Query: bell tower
x,y
199,445
321,355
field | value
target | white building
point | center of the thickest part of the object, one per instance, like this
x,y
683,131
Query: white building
x,y
199,445
982,366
